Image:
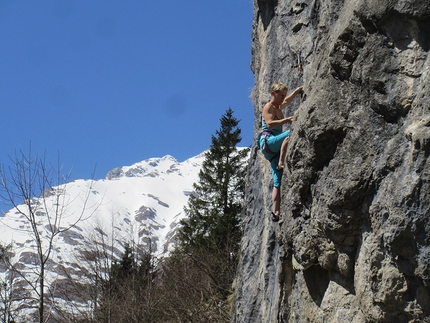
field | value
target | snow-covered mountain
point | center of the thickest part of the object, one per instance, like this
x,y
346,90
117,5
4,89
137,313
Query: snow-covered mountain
x,y
140,204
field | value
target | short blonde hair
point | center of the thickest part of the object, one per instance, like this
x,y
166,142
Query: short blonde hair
x,y
276,87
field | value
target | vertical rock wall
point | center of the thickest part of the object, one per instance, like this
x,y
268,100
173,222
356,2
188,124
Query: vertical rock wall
x,y
354,246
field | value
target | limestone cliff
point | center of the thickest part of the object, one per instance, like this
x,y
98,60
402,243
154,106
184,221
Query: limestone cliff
x,y
354,246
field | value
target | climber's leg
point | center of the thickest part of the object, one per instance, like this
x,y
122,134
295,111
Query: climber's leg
x,y
283,152
276,200
276,192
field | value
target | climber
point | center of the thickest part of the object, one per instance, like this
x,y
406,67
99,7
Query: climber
x,y
272,141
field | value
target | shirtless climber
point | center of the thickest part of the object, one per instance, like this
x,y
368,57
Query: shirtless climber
x,y
273,141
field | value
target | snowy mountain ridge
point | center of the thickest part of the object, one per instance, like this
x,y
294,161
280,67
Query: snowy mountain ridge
x,y
140,204
154,167
143,202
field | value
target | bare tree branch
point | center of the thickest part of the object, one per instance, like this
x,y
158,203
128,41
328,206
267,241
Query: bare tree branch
x,y
38,193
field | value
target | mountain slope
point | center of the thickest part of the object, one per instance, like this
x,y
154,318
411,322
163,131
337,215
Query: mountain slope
x,y
143,202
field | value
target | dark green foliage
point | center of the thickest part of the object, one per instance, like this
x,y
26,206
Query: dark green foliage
x,y
213,210
210,235
199,273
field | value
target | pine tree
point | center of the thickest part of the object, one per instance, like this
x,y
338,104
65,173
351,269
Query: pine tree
x,y
127,266
199,272
213,210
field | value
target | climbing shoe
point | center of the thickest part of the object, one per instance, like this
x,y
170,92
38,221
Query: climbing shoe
x,y
275,218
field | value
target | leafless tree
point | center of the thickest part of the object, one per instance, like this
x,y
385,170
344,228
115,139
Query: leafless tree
x,y
11,296
38,194
189,290
112,290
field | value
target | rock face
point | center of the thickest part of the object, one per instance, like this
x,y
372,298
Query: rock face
x,y
354,246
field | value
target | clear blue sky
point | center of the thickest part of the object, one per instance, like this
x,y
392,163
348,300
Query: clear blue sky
x,y
110,83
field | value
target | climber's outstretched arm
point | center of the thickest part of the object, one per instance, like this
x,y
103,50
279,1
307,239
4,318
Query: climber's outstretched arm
x,y
288,99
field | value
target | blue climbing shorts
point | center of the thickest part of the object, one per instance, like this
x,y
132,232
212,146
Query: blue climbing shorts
x,y
274,143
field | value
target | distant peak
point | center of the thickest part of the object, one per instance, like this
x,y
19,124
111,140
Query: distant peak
x,y
153,167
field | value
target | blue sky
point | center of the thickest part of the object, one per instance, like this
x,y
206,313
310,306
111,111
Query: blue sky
x,y
110,83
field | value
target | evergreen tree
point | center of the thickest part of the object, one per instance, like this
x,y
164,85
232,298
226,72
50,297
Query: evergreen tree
x,y
214,208
127,266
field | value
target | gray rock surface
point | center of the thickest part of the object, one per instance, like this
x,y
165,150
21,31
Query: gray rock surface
x,y
354,244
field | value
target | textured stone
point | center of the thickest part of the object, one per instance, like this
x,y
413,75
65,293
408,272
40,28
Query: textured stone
x,y
354,244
